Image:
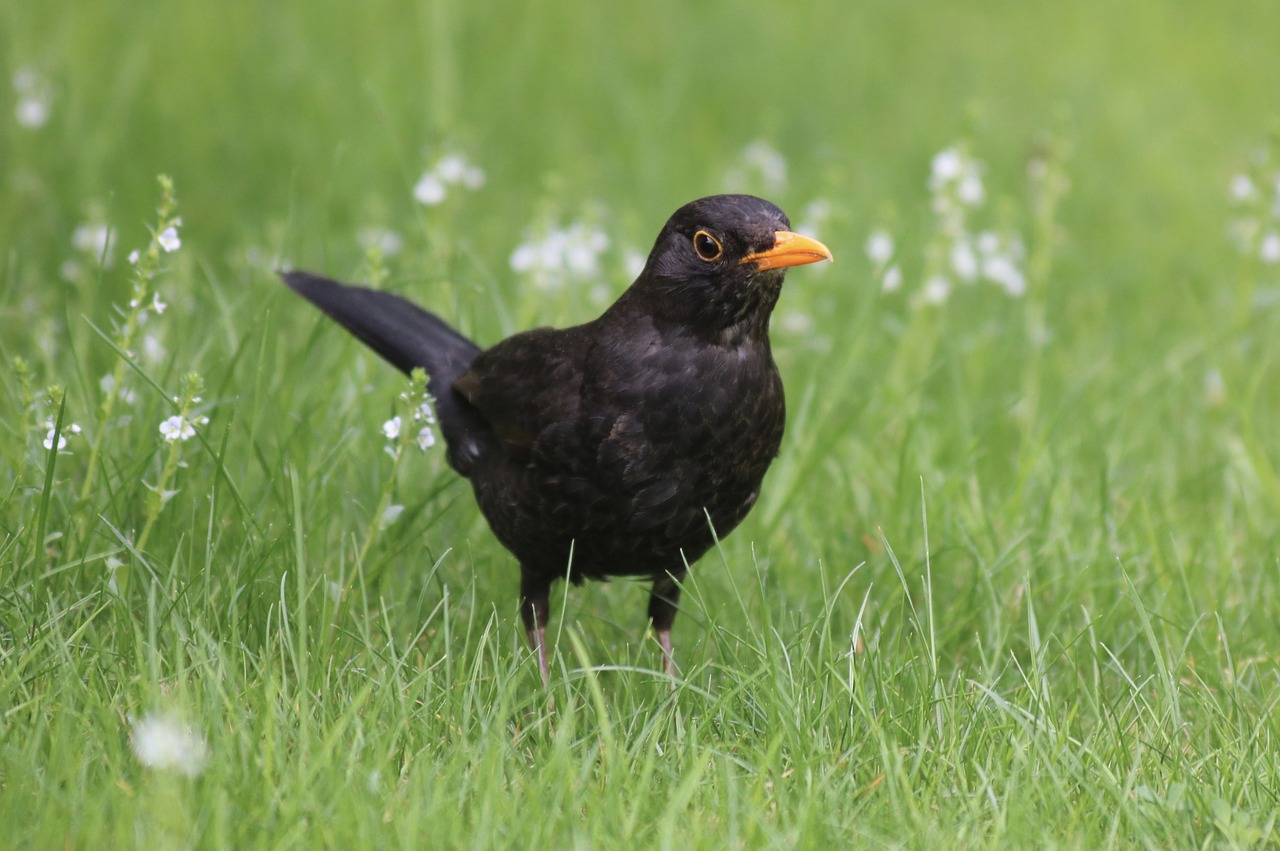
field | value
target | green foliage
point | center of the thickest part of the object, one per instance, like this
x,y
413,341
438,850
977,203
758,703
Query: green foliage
x,y
1013,580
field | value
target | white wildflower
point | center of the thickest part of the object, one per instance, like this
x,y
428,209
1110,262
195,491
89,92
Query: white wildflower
x,y
32,112
168,239
452,169
426,438
1000,269
391,428
948,164
633,263
1242,188
970,190
51,427
988,243
95,240
879,247
177,428
892,280
770,165
964,262
759,166
152,349
35,97
386,242
814,216
429,189
390,514
936,290
1269,248
571,253
126,394
162,742
157,305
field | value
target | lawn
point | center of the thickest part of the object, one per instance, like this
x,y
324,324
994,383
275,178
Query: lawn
x,y
1013,580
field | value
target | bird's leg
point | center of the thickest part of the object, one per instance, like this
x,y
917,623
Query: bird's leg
x,y
663,602
535,607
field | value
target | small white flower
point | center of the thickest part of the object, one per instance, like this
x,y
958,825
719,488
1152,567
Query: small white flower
x,y
451,168
964,262
879,247
1001,269
562,253
760,158
391,428
815,215
424,413
34,98
988,243
62,438
524,258
1269,248
386,242
95,240
633,263
168,239
127,395
426,438
473,177
970,191
157,305
177,428
936,290
133,257
162,742
429,189
1242,188
581,260
32,112
948,164
892,280
390,515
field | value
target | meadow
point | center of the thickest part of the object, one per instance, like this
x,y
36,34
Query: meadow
x,y
1013,581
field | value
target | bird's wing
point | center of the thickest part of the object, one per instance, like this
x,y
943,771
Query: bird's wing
x,y
527,385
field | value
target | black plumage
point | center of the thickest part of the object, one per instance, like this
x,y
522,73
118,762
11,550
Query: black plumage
x,y
623,446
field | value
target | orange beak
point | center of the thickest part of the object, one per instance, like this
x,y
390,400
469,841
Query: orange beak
x,y
789,249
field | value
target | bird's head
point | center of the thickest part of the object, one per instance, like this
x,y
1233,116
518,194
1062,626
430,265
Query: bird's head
x,y
718,263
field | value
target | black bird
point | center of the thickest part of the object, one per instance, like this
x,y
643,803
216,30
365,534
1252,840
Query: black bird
x,y
624,446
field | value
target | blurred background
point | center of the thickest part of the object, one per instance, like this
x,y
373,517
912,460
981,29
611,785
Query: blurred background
x,y
1030,470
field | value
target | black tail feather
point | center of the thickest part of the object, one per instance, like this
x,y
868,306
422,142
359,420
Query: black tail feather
x,y
407,336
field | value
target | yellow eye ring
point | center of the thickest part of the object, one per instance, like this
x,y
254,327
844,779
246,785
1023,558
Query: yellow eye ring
x,y
707,246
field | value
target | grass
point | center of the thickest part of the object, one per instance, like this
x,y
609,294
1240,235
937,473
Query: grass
x,y
1013,580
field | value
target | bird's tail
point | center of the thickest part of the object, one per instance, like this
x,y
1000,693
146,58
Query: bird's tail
x,y
407,336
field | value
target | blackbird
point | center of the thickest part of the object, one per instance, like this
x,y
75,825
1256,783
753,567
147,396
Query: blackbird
x,y
624,446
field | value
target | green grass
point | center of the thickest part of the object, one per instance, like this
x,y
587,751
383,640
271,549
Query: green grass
x,y
1014,580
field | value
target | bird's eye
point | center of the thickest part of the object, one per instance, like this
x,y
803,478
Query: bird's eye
x,y
707,246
